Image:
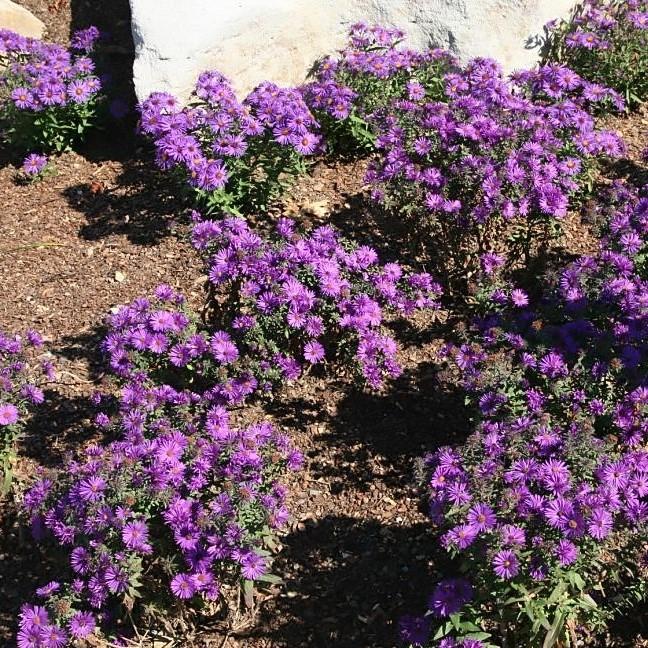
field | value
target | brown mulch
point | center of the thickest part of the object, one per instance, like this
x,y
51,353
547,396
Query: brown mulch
x,y
106,228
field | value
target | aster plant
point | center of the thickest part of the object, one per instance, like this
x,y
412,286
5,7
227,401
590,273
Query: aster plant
x,y
544,506
175,514
49,95
160,341
587,335
35,166
491,168
20,376
295,299
371,72
606,42
235,156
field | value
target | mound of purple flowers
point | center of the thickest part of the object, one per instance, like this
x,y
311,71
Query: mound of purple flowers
x,y
371,73
178,508
486,162
237,156
591,329
606,42
550,491
19,391
50,93
294,299
160,341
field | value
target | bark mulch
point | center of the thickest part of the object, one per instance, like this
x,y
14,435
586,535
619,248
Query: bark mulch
x,y
108,227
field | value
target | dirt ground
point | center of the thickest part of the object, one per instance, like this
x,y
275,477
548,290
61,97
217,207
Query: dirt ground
x,y
106,228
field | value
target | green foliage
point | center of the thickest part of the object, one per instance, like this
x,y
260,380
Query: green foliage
x,y
606,42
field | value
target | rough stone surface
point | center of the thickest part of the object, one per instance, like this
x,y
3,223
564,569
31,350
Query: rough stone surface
x,y
253,40
18,19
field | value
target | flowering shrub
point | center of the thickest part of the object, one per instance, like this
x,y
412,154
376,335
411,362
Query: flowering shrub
x,y
160,341
588,335
545,504
606,42
291,299
181,508
18,393
488,169
35,166
48,95
236,156
548,522
554,82
370,74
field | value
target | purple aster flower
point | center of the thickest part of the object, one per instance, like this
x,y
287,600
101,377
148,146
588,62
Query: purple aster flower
x,y
82,625
79,91
490,262
34,164
80,560
52,636
505,564
512,535
449,596
48,589
306,143
23,98
552,365
519,298
91,489
135,536
600,523
183,586
462,536
481,517
566,552
8,414
253,565
116,579
313,352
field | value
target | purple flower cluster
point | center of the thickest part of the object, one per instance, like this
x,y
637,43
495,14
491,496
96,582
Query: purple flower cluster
x,y
178,507
34,165
594,316
607,43
19,390
551,489
181,504
159,340
559,83
304,298
235,155
371,73
486,157
51,92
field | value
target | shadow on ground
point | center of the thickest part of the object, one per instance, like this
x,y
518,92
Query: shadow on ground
x,y
144,205
116,140
347,583
373,438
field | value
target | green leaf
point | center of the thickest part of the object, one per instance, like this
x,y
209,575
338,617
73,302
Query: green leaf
x,y
558,591
248,593
270,578
555,630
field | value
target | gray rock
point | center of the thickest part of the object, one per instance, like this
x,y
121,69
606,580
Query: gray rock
x,y
254,40
18,19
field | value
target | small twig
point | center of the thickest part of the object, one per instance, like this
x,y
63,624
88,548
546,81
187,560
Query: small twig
x,y
79,380
31,246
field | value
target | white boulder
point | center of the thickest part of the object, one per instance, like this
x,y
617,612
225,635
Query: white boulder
x,y
18,19
254,40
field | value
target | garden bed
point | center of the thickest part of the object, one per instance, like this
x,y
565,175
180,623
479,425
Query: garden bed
x,y
359,551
